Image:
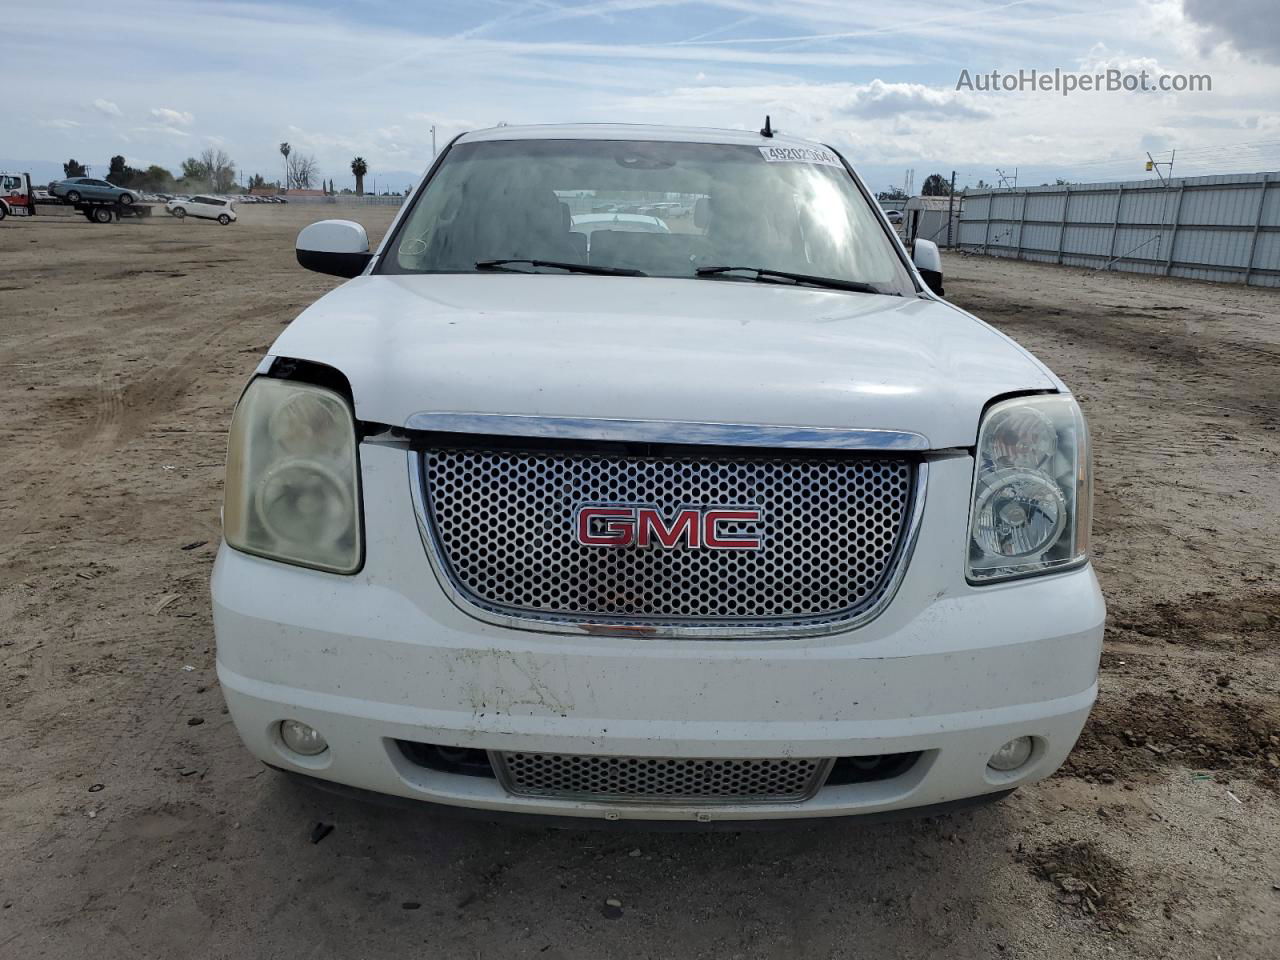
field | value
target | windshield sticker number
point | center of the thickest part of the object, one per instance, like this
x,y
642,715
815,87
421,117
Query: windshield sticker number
x,y
800,155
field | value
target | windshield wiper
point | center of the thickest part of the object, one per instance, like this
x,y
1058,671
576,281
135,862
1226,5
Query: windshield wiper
x,y
559,265
766,275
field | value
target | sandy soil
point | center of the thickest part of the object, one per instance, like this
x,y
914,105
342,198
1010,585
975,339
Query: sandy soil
x,y
135,825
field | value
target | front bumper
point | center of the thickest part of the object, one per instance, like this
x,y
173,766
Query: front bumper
x,y
948,669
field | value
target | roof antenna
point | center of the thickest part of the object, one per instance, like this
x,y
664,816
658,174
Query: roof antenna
x,y
766,130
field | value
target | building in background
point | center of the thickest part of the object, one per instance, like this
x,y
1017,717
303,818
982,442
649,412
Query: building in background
x,y
925,218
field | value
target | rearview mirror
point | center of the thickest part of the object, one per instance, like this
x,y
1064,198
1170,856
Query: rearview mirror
x,y
336,247
929,262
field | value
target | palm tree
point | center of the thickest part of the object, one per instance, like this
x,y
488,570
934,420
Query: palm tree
x,y
285,149
359,168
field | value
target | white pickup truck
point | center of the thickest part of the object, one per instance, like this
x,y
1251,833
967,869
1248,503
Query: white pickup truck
x,y
732,520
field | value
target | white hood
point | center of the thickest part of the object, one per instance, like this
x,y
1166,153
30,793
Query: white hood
x,y
660,349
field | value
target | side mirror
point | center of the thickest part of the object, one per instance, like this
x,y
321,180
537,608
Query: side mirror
x,y
929,262
336,247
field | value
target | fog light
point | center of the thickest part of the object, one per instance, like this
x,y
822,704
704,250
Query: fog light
x,y
1012,755
300,738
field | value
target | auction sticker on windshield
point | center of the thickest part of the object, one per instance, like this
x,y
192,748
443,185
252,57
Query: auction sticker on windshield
x,y
800,155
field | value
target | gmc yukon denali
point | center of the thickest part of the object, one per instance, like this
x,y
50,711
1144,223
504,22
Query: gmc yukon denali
x,y
642,474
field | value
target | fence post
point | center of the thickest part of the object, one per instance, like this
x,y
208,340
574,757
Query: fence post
x,y
1257,227
951,200
1115,229
986,235
1173,239
1062,229
1022,222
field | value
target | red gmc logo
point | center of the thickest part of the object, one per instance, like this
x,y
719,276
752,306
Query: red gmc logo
x,y
624,525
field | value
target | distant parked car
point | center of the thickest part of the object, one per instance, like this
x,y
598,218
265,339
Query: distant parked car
x,y
624,222
895,216
204,207
75,189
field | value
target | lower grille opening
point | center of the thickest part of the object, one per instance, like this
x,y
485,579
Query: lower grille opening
x,y
466,761
658,779
884,766
676,780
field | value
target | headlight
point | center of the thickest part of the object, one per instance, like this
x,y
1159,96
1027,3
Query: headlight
x,y
1032,489
292,491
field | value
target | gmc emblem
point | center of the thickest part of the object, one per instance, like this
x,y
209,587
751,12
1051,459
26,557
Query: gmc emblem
x,y
626,525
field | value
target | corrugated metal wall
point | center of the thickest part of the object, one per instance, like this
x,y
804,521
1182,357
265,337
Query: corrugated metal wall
x,y
1224,228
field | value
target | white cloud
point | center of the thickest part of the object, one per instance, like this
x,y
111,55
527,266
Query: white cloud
x,y
1101,58
173,118
107,107
156,129
807,109
60,124
880,100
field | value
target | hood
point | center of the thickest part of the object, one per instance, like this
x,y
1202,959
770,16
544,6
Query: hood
x,y
660,349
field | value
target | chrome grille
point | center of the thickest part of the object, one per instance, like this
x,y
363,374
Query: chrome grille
x,y
659,779
503,522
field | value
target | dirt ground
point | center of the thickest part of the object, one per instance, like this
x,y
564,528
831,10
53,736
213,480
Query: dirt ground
x,y
134,824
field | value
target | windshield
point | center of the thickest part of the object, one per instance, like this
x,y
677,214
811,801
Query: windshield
x,y
664,209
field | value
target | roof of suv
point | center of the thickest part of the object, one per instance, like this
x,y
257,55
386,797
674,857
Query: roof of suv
x,y
630,131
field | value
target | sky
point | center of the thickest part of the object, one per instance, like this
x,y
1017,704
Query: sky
x,y
338,78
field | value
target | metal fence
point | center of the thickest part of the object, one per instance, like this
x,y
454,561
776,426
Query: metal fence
x,y
1224,228
367,200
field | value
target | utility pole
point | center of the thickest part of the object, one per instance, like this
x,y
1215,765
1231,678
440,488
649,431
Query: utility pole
x,y
433,141
1005,180
1155,165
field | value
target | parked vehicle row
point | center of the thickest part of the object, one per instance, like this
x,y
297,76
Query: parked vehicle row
x,y
101,201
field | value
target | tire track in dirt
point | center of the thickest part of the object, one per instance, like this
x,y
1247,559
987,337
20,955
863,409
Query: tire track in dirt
x,y
56,480
120,414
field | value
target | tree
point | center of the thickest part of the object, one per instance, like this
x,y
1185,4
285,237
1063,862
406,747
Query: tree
x,y
219,170
195,170
285,150
257,182
119,173
73,168
893,193
302,169
935,185
155,177
123,175
359,168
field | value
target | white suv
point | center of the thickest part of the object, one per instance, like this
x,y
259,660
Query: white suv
x,y
204,207
737,520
